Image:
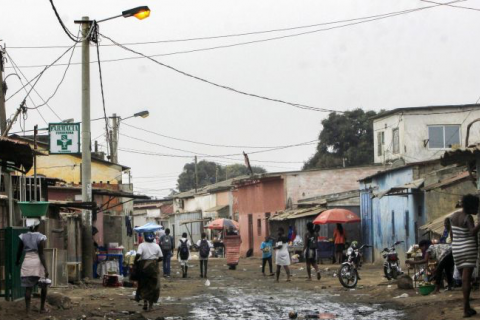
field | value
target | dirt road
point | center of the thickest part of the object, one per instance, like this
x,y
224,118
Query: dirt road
x,y
246,294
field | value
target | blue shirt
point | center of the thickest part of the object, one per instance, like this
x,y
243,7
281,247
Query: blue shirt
x,y
267,249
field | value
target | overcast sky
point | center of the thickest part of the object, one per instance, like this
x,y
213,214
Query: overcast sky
x,y
427,57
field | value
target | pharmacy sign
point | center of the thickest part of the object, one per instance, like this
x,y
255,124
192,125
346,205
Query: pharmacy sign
x,y
64,137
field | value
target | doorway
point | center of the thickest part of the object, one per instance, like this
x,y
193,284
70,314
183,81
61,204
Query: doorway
x,y
250,231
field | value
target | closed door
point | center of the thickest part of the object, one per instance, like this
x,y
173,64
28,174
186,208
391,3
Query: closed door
x,y
250,231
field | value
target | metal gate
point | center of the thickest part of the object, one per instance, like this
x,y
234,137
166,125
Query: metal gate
x,y
367,223
10,287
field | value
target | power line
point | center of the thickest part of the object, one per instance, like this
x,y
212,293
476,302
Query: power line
x,y
219,156
296,105
95,31
202,143
69,34
38,76
254,32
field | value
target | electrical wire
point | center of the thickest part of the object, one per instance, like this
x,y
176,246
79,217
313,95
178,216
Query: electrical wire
x,y
69,34
296,105
254,32
453,6
224,155
96,32
201,143
38,76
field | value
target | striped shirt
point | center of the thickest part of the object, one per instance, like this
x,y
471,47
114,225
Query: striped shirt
x,y
464,246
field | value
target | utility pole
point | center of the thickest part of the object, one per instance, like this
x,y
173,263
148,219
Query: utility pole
x,y
196,175
114,139
87,240
3,125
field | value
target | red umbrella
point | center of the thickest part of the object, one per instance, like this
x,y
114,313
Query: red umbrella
x,y
220,224
336,216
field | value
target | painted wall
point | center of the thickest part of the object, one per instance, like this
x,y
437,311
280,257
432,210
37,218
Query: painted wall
x,y
67,168
308,184
413,128
393,218
257,200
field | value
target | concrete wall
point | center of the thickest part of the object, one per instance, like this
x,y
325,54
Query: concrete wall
x,y
309,184
413,126
257,199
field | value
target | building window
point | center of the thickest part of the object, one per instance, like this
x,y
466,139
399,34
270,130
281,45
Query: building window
x,y
380,142
259,227
443,137
267,222
396,140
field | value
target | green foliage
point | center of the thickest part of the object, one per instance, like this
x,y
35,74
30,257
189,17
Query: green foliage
x,y
348,135
209,173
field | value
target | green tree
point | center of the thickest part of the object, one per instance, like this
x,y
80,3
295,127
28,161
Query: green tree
x,y
209,172
346,136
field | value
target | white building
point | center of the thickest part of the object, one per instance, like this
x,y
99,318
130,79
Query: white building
x,y
423,133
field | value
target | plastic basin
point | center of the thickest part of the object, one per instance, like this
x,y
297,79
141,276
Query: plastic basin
x,y
33,209
426,289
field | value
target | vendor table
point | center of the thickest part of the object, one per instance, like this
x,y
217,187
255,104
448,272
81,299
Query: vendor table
x,y
117,256
326,250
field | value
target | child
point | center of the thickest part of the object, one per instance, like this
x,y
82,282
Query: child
x,y
183,253
204,252
267,248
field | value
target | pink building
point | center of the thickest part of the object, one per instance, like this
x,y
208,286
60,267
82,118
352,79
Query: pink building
x,y
257,198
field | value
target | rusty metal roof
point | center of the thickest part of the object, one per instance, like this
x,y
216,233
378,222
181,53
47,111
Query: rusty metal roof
x,y
445,182
297,213
400,189
16,152
462,156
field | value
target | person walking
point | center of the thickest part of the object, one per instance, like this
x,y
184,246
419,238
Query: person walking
x,y
204,252
183,253
339,238
464,246
282,256
147,258
267,248
310,246
34,269
167,246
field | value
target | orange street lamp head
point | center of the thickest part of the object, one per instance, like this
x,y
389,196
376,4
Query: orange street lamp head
x,y
138,12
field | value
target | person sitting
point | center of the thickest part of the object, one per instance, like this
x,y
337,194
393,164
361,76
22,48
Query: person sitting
x,y
442,253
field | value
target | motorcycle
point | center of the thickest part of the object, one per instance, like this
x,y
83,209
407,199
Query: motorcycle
x,y
348,271
391,266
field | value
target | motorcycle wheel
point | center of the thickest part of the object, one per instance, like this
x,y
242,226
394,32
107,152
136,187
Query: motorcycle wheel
x,y
387,274
348,276
394,273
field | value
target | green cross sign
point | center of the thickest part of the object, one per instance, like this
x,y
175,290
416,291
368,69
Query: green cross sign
x,y
64,142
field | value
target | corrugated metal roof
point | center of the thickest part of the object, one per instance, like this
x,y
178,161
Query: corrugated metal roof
x,y
297,213
448,181
463,155
217,208
409,185
437,225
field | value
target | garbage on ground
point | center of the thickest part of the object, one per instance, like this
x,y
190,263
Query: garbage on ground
x,y
404,295
207,283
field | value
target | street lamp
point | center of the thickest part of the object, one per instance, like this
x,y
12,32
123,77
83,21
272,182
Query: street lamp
x,y
87,29
114,136
139,12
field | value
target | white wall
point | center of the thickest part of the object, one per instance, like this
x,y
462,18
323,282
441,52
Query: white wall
x,y
413,126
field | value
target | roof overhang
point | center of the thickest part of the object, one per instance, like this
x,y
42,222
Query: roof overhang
x,y
297,213
15,155
400,190
217,208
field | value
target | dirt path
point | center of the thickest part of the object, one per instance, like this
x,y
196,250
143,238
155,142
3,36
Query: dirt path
x,y
246,294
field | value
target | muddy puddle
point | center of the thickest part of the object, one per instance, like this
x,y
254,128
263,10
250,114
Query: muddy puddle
x,y
243,303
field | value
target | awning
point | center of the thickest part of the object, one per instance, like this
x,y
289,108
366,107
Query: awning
x,y
297,213
193,221
399,190
217,208
437,225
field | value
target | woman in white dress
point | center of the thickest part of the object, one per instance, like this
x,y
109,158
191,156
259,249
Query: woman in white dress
x,y
282,256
